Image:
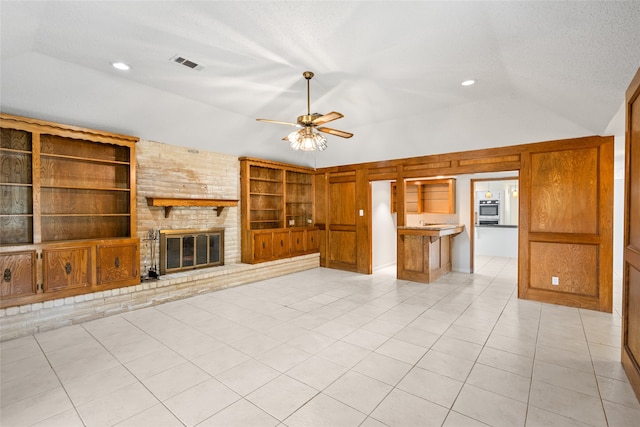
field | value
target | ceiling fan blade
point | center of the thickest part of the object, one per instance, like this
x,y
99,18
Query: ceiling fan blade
x,y
278,122
334,115
336,132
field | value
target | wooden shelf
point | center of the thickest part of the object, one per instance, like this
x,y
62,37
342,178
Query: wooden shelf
x,y
169,203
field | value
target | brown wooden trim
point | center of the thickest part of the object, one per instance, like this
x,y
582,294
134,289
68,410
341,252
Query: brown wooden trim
x,y
69,131
631,254
169,203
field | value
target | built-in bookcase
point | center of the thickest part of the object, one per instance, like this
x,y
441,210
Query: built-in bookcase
x,y
67,210
277,210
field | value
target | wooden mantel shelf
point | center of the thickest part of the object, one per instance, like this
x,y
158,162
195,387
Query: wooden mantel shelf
x,y
168,203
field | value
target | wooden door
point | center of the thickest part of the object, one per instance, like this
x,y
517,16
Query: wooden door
x,y
631,267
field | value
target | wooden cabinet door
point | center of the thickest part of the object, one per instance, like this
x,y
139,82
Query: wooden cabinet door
x,y
281,244
298,241
262,246
631,263
18,274
66,268
118,263
313,240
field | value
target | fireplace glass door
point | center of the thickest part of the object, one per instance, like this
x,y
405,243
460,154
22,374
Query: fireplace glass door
x,y
182,250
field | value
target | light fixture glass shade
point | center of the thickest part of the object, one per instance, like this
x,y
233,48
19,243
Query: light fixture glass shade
x,y
307,140
488,195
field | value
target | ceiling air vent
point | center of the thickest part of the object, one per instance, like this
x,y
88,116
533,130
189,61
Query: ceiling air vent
x,y
187,63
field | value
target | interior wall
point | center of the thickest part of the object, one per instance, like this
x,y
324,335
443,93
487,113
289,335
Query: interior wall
x,y
461,247
383,226
618,225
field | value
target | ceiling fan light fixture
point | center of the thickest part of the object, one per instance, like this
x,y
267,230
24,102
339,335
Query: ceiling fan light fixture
x,y
307,140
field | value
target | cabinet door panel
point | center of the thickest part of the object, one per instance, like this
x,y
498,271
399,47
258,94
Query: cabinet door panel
x,y
66,268
117,263
313,240
262,246
281,244
297,241
18,274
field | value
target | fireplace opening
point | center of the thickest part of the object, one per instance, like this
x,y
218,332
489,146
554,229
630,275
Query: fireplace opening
x,y
182,250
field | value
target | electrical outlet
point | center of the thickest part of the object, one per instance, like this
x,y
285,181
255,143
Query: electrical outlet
x,y
555,281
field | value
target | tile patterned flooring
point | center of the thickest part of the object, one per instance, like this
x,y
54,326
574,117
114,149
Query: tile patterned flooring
x,y
329,348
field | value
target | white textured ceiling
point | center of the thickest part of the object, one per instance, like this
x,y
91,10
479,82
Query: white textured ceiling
x,y
545,70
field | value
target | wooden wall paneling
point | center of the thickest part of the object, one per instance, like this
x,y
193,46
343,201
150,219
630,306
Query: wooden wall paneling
x,y
575,266
631,258
321,185
566,223
363,222
342,228
342,202
564,195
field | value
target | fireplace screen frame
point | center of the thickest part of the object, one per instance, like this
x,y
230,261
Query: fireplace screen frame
x,y
167,266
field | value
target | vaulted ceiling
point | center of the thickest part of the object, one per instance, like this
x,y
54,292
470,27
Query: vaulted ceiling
x,y
544,70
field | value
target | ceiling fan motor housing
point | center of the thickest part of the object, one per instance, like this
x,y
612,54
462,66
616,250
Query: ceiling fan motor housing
x,y
307,119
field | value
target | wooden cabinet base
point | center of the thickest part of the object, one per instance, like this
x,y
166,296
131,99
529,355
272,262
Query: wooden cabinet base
x,y
269,245
43,272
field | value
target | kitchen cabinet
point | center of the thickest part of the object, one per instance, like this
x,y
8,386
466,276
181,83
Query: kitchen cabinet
x,y
65,192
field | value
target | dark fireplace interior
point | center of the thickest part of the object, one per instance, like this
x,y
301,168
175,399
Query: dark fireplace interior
x,y
182,250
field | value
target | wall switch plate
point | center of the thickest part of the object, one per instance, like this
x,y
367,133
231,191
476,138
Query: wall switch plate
x,y
555,281
361,212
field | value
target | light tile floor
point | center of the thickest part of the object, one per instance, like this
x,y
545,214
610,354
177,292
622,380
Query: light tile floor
x,y
331,348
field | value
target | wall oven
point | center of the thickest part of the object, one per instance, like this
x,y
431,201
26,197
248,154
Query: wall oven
x,y
489,212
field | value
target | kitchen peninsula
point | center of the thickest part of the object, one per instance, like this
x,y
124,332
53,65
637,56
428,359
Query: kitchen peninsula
x,y
424,252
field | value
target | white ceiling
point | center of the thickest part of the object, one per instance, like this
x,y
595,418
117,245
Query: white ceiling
x,y
544,70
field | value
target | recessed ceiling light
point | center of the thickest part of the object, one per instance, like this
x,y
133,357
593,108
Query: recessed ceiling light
x,y
121,66
468,82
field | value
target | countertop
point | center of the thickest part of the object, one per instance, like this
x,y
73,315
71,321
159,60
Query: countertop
x,y
434,230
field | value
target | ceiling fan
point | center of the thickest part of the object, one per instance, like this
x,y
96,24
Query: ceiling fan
x,y
307,138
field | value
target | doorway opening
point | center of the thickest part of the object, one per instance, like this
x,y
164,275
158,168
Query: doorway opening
x,y
495,207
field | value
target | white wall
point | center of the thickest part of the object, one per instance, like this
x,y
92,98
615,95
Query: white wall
x,y
460,250
383,226
618,225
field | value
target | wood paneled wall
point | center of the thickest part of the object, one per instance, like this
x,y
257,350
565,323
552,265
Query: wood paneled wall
x,y
566,212
566,228
631,267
